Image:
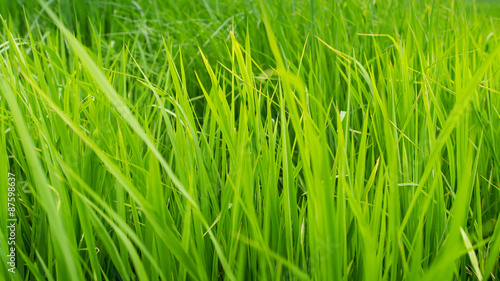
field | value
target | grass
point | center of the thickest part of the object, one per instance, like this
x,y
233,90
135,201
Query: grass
x,y
251,140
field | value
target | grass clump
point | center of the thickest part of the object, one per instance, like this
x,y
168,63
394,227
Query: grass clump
x,y
251,140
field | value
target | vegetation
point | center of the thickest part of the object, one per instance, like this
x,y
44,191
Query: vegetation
x,y
251,140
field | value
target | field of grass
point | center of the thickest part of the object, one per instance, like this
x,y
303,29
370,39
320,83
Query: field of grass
x,y
249,140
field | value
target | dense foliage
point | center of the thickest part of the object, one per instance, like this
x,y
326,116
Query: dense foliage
x,y
251,140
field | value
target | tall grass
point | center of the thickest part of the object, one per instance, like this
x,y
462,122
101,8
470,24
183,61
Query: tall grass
x,y
251,140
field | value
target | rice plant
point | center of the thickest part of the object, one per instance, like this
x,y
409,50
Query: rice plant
x,y
250,140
